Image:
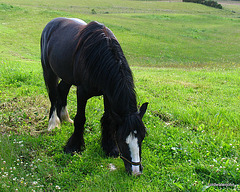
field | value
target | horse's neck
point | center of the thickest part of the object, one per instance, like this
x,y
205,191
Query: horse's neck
x,y
124,105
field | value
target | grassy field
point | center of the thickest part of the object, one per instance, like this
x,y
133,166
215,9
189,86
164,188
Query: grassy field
x,y
185,59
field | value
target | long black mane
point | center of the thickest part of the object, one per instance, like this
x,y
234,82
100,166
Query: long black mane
x,y
101,62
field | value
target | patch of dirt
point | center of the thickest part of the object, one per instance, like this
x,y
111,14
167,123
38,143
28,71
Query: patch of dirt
x,y
28,114
166,118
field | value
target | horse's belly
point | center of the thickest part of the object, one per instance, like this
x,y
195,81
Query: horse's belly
x,y
61,57
62,65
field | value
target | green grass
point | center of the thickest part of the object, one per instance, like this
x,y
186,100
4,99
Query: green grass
x,y
185,60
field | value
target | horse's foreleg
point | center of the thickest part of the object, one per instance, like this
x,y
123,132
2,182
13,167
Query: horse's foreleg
x,y
76,141
108,140
108,132
63,90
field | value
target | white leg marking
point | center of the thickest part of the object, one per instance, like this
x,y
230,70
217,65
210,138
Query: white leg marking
x,y
54,121
64,115
132,142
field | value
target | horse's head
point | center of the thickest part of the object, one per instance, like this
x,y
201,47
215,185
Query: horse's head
x,y
129,137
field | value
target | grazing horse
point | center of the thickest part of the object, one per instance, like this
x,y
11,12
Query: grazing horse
x,y
90,57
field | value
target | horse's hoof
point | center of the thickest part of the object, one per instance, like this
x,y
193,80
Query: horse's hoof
x,y
70,150
69,120
73,150
74,145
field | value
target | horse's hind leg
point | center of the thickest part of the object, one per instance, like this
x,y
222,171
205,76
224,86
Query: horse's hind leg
x,y
51,81
63,90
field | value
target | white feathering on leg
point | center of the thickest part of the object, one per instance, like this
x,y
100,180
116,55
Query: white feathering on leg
x,y
64,115
54,121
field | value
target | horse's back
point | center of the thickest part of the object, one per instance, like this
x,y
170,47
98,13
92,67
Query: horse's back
x,y
58,45
80,21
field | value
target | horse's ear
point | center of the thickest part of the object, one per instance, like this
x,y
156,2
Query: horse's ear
x,y
143,109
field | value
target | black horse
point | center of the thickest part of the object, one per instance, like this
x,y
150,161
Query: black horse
x,y
90,57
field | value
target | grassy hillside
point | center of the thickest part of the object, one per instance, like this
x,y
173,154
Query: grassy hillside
x,y
151,33
185,59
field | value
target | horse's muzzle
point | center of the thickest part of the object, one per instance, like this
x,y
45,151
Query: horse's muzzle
x,y
135,170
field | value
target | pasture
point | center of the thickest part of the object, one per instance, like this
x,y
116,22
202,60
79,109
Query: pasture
x,y
185,59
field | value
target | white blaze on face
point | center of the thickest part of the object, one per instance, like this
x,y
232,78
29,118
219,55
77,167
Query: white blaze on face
x,y
132,142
